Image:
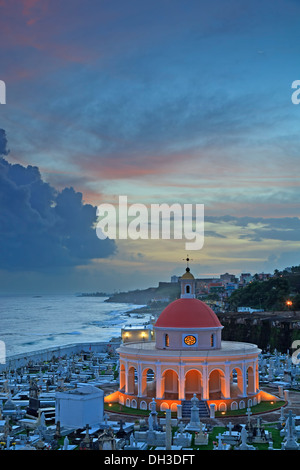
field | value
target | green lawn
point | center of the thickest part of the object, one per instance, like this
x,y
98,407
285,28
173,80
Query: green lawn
x,y
262,407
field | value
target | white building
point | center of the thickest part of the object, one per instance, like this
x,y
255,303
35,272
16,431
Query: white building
x,y
188,357
80,406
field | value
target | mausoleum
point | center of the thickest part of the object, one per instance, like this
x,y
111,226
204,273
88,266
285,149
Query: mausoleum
x,y
187,356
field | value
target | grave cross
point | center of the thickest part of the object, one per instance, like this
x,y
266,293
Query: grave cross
x,y
230,427
249,413
87,436
219,437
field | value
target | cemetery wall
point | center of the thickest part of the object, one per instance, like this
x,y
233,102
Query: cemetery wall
x,y
20,360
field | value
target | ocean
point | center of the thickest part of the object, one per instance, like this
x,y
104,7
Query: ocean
x,y
30,323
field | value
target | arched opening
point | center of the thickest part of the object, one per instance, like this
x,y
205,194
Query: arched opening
x,y
188,289
132,381
193,384
216,384
167,341
122,378
148,383
170,385
236,382
250,381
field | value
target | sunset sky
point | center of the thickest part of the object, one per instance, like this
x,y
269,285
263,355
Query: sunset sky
x,y
165,101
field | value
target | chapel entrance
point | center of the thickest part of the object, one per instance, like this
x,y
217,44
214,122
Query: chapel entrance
x,y
193,384
216,384
170,385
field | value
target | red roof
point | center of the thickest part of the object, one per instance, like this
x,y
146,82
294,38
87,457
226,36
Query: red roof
x,y
187,313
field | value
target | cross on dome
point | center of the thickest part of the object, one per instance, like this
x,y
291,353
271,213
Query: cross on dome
x,y
187,259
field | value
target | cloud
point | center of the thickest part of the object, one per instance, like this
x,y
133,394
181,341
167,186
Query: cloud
x,y
3,143
263,228
42,227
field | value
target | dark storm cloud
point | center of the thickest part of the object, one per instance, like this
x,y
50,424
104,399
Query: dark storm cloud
x,y
3,143
41,227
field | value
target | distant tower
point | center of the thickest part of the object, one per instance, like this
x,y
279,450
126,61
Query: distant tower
x,y
187,283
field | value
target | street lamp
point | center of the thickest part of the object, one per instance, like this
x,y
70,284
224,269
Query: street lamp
x,y
289,304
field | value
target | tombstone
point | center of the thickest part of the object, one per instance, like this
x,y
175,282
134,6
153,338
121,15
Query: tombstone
x,y
282,418
290,442
66,443
8,439
244,445
249,413
221,445
271,370
9,407
287,396
150,422
230,436
212,407
179,412
259,434
6,428
194,424
181,438
201,438
154,413
168,430
41,427
34,402
121,433
57,430
106,440
134,445
87,440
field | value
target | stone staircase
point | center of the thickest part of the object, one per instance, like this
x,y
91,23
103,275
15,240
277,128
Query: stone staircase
x,y
187,405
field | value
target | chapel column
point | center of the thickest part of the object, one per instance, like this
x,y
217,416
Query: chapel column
x,y
227,380
126,377
244,391
181,388
139,377
205,386
256,376
158,381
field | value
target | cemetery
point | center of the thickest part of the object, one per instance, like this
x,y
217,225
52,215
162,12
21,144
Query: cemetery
x,y
61,405
101,397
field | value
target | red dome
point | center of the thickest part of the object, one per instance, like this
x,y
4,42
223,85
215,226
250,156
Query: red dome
x,y
187,313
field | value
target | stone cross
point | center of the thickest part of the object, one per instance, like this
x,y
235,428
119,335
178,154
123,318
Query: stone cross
x,y
181,427
87,436
219,437
258,432
230,427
